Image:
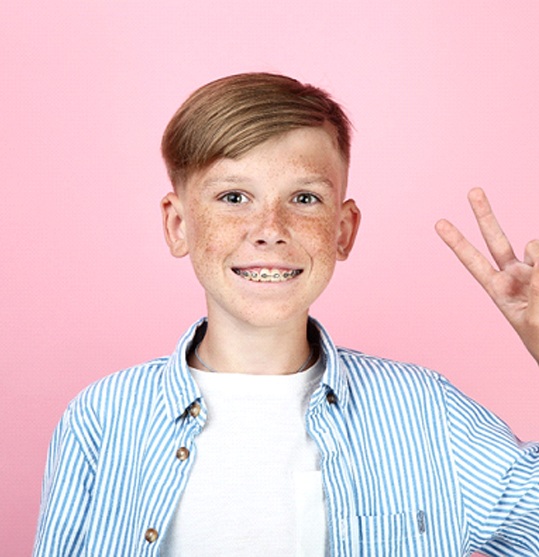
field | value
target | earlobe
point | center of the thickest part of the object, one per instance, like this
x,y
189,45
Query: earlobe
x,y
174,225
349,225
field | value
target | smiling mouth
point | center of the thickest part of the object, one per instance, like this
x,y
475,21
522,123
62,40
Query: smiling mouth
x,y
268,275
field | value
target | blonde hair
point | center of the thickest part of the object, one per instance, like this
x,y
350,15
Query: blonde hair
x,y
230,116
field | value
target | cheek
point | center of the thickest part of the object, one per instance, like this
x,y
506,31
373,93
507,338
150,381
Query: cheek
x,y
209,237
320,238
320,244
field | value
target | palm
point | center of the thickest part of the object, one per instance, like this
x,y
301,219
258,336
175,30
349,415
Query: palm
x,y
510,290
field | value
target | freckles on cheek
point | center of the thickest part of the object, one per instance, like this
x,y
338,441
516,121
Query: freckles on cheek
x,y
209,242
320,234
219,236
321,242
205,233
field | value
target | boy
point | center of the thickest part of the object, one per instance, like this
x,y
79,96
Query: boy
x,y
257,436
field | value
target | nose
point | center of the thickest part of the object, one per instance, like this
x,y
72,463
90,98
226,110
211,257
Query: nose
x,y
270,226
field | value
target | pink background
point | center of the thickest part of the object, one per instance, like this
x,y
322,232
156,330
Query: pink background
x,y
443,96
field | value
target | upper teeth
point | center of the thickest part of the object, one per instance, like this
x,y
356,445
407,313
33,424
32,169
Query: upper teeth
x,y
267,275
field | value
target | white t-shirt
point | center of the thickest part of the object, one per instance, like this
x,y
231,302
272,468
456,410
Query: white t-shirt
x,y
255,488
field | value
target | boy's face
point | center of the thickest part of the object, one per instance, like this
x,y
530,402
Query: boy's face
x,y
264,230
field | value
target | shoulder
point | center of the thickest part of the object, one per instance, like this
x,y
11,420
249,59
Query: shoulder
x,y
415,392
120,392
398,387
368,369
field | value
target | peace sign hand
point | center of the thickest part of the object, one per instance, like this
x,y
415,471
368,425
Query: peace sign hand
x,y
514,286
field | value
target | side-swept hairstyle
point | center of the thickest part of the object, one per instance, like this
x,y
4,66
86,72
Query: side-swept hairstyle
x,y
230,116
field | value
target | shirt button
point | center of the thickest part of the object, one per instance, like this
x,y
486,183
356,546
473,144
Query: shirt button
x,y
182,453
151,535
331,398
195,409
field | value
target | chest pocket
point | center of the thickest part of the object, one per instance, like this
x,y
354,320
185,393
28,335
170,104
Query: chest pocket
x,y
394,535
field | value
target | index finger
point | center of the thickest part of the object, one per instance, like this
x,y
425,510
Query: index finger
x,y
474,261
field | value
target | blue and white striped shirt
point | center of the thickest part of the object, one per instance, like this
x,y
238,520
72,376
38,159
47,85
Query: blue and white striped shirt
x,y
411,467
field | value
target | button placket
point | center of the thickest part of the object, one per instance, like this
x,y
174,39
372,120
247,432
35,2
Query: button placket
x,y
194,410
190,425
151,535
182,454
331,397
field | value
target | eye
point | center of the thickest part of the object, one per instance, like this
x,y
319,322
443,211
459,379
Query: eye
x,y
234,198
306,198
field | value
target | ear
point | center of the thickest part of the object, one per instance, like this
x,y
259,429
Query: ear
x,y
174,224
348,227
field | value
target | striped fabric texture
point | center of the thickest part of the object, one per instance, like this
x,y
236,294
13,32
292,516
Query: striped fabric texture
x,y
411,467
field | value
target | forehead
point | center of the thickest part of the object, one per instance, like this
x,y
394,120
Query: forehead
x,y
304,155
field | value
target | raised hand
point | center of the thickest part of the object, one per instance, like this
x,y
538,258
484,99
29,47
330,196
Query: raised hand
x,y
514,285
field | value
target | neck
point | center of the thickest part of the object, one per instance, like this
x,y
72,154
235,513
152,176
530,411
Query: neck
x,y
239,348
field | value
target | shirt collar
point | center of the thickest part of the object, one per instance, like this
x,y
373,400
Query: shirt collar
x,y
335,376
181,390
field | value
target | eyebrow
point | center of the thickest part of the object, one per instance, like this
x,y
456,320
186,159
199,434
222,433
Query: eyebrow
x,y
240,180
316,179
232,179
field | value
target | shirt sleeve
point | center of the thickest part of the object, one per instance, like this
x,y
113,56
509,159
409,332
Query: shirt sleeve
x,y
66,495
499,479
